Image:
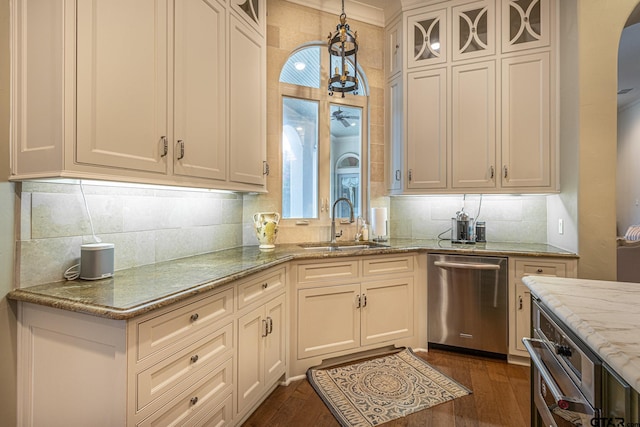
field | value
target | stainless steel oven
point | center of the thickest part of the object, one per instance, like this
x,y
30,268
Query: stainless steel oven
x,y
566,375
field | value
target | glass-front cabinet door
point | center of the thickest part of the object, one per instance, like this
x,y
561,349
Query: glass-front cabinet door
x,y
525,24
474,30
427,38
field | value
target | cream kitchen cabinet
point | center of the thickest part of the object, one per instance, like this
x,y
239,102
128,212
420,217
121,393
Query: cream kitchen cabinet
x,y
478,118
474,30
207,360
520,297
261,329
526,25
133,92
426,36
374,301
426,129
393,49
473,127
394,117
261,352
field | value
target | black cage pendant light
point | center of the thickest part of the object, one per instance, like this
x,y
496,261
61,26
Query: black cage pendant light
x,y
343,44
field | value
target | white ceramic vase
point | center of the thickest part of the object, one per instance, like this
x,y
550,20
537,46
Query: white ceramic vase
x,y
266,225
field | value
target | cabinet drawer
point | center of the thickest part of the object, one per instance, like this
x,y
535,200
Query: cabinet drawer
x,y
161,377
207,392
157,333
540,268
327,271
387,265
262,286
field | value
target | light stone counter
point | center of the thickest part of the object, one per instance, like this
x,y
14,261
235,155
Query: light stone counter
x,y
135,291
605,315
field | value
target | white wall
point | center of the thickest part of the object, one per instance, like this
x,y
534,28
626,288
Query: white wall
x,y
147,225
628,171
565,205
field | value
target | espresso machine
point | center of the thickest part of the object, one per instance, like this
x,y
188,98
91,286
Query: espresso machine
x,y
462,228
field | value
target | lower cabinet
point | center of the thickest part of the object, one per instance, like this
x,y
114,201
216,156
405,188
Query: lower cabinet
x,y
373,303
261,351
207,360
520,297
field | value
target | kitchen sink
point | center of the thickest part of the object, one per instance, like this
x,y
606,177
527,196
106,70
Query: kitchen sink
x,y
341,246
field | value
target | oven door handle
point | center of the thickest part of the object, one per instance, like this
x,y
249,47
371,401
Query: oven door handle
x,y
467,266
561,400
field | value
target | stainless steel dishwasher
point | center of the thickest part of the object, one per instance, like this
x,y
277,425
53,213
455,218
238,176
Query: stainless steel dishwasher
x,y
468,302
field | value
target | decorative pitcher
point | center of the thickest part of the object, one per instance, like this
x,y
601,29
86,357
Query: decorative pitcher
x,y
266,224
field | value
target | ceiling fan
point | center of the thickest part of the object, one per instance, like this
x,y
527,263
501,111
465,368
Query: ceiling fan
x,y
342,117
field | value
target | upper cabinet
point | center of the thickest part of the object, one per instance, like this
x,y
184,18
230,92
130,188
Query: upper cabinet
x,y
150,91
478,102
474,30
525,24
426,38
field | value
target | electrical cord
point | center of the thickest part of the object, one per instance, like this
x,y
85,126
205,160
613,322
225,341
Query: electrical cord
x,y
73,272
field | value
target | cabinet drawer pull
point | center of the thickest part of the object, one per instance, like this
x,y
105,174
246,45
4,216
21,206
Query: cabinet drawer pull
x,y
270,325
398,175
358,301
265,285
165,146
491,172
194,317
194,358
181,151
506,171
265,328
520,302
540,271
194,400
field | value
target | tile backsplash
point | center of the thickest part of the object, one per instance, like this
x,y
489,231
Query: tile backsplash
x,y
508,218
147,225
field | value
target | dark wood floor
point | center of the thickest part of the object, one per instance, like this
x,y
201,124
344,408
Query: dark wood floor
x,y
500,398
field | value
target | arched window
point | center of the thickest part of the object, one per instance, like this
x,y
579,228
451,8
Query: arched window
x,y
324,140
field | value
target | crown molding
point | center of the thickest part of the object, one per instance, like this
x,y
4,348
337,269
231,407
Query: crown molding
x,y
354,9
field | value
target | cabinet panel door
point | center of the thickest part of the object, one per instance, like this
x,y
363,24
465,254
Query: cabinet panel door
x,y
250,366
395,141
328,320
37,97
523,314
427,38
526,114
525,24
393,51
200,99
427,129
473,135
275,341
247,94
387,312
474,30
122,83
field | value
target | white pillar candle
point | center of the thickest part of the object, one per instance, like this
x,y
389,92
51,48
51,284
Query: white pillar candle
x,y
379,221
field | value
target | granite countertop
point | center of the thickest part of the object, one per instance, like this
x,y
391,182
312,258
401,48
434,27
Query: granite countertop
x,y
135,291
605,315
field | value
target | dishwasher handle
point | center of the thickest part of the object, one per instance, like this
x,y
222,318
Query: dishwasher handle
x,y
466,266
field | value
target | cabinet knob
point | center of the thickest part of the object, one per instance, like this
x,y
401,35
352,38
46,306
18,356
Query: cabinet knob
x,y
194,317
194,358
194,400
265,285
540,271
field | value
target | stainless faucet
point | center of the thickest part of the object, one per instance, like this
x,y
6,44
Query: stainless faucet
x,y
333,217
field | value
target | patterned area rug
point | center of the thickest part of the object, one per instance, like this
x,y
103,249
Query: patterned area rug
x,y
379,390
